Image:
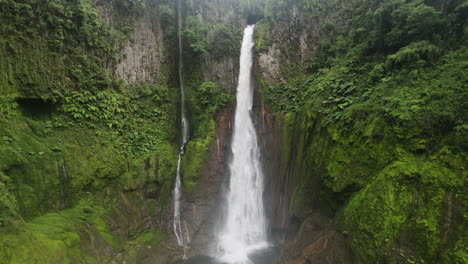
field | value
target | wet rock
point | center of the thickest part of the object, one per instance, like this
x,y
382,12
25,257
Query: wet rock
x,y
200,260
202,208
152,190
316,242
266,256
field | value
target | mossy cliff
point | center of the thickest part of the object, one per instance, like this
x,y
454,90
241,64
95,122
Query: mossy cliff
x,y
371,105
89,133
87,156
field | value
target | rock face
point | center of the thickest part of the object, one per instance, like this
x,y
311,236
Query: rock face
x,y
223,71
146,58
201,209
143,55
289,38
301,235
316,243
279,183
269,65
352,190
203,206
220,68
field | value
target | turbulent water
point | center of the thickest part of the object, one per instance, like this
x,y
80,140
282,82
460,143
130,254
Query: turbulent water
x,y
244,231
185,136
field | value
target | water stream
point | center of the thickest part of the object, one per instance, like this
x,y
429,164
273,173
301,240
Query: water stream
x,y
244,230
184,139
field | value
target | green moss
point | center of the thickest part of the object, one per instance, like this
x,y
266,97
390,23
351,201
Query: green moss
x,y
57,237
378,212
8,107
36,155
459,253
30,247
151,239
392,205
390,157
396,197
64,34
163,169
263,39
287,132
93,135
8,203
31,164
196,154
206,99
44,168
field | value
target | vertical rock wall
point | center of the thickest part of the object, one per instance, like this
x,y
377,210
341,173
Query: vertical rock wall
x,y
145,56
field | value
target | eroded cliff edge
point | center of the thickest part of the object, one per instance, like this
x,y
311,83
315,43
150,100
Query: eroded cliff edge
x,y
377,161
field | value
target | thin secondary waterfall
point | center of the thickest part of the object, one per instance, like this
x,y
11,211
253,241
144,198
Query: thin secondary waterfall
x,y
245,228
185,136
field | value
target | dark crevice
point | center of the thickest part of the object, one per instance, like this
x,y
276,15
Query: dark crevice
x,y
36,108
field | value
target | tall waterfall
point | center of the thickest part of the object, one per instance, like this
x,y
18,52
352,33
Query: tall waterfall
x,y
245,228
185,136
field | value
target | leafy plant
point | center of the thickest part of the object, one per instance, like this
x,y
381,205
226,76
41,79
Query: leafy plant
x,y
8,107
194,34
422,50
226,40
208,99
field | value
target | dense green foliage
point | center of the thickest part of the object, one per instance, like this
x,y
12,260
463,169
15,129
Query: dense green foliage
x,y
145,110
59,237
204,43
379,112
205,102
195,35
73,136
40,37
208,99
226,41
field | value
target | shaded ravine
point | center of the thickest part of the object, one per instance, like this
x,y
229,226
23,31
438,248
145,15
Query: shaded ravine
x,y
184,139
244,229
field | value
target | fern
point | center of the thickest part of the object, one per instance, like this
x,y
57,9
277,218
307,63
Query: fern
x,y
421,50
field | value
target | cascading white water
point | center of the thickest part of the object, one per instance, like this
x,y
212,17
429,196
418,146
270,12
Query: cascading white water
x,y
245,228
185,136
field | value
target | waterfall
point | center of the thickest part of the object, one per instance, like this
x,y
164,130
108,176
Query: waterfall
x,y
244,229
185,136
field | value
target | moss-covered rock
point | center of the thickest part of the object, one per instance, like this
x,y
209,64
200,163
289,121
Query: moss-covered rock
x,y
373,130
196,154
